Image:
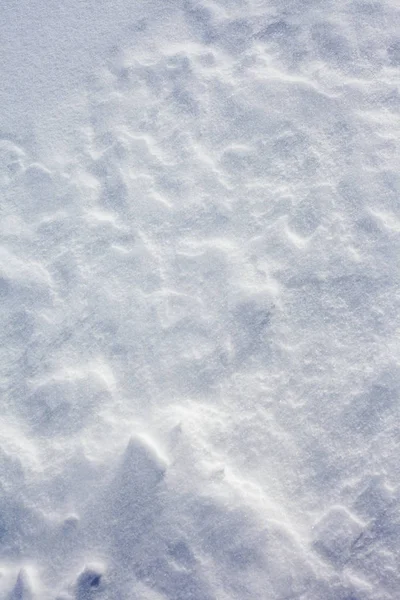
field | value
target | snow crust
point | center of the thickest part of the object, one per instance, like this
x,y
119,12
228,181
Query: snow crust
x,y
199,299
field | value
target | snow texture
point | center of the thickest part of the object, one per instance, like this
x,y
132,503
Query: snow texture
x,y
199,300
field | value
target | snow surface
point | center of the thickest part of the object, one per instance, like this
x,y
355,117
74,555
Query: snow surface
x,y
199,295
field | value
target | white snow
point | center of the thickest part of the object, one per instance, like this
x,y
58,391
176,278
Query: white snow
x,y
199,300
